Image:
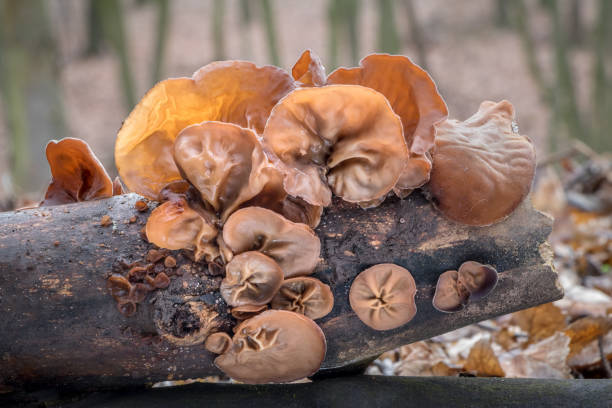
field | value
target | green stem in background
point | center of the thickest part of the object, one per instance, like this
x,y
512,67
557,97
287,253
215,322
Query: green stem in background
x,y
602,88
111,15
416,33
218,16
270,24
502,15
388,37
333,19
95,34
246,18
351,8
163,16
343,26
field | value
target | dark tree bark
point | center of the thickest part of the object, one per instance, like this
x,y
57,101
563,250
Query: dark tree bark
x,y
60,325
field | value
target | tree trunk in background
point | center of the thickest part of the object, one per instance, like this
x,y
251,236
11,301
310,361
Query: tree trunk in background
x,y
64,327
31,93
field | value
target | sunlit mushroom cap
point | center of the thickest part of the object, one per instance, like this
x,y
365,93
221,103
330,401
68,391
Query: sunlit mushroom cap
x,y
383,296
229,91
293,246
251,278
274,346
308,296
410,90
450,296
482,170
477,278
341,138
224,162
308,70
218,342
175,225
77,174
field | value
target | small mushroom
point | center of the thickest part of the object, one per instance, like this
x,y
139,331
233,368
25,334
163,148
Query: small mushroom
x,y
77,174
304,295
175,225
218,342
274,346
383,296
482,169
340,138
455,289
415,174
224,162
295,247
308,70
450,295
251,278
477,278
229,91
247,311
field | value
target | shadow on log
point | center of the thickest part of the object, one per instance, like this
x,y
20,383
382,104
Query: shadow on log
x,y
60,325
359,391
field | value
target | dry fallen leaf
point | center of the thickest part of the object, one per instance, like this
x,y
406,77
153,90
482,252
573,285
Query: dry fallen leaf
x,y
584,331
483,362
545,359
540,322
506,338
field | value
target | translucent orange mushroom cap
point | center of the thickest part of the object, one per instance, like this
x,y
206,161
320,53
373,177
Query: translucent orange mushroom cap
x,y
308,70
77,174
229,91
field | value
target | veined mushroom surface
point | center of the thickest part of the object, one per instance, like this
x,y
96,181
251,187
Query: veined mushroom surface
x,y
305,295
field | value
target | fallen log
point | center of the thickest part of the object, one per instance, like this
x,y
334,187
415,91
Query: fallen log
x,y
60,325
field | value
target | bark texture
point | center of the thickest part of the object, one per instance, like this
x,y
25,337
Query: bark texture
x,y
61,326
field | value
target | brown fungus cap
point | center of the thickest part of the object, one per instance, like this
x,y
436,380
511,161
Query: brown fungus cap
x,y
228,91
477,278
415,174
383,296
218,342
175,225
308,70
450,296
247,311
482,170
293,246
341,138
224,162
272,347
77,174
251,278
304,295
410,90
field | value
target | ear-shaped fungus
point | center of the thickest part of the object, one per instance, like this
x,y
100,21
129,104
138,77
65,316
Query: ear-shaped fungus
x,y
344,137
218,342
274,346
308,296
293,246
415,174
410,90
247,311
482,169
471,282
175,225
229,91
383,296
77,174
224,162
251,278
308,70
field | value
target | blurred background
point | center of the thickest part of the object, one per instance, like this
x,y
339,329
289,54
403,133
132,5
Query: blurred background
x,y
77,67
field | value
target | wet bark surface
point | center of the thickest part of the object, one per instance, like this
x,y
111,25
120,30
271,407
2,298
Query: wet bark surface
x,y
60,325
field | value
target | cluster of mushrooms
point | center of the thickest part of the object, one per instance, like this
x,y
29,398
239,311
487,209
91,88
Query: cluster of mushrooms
x,y
243,160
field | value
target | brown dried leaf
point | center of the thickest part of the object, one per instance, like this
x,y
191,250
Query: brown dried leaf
x,y
506,339
540,322
483,362
585,330
545,359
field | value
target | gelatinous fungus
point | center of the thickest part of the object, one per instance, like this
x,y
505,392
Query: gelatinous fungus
x,y
305,295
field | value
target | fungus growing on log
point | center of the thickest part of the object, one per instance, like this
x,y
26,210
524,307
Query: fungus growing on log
x,y
344,139
274,346
293,246
175,225
308,296
229,91
455,289
247,311
482,169
218,342
308,70
382,296
76,172
251,278
415,174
